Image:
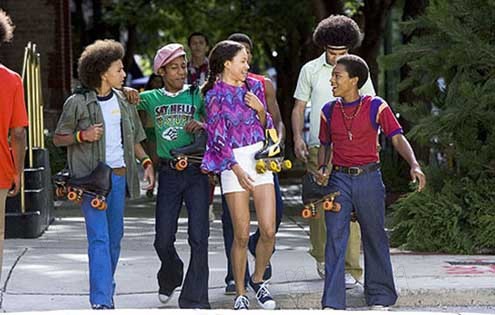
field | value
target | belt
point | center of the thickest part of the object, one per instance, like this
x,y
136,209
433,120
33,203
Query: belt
x,y
357,170
119,171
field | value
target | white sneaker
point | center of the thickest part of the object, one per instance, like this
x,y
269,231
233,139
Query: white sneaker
x,y
350,281
320,268
164,299
383,308
211,214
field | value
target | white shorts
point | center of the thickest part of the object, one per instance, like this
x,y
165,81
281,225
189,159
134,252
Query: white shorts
x,y
245,157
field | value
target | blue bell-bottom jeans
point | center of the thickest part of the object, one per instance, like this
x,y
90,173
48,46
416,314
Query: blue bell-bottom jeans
x,y
104,230
175,187
366,194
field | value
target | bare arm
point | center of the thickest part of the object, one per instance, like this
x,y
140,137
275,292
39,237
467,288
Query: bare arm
x,y
93,133
149,172
300,147
18,143
402,146
274,109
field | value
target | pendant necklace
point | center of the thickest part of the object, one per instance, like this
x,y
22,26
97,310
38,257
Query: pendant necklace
x,y
351,118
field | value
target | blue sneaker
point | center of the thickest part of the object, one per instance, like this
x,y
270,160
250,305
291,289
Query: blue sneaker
x,y
241,303
263,296
230,288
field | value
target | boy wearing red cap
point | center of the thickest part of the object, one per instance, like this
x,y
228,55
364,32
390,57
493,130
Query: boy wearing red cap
x,y
176,110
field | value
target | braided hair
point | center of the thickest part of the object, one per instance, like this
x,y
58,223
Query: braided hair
x,y
6,27
223,51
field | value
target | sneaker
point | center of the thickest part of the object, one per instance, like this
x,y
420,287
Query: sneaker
x,y
211,214
241,303
263,296
328,308
101,307
383,308
230,288
267,275
350,281
165,298
320,268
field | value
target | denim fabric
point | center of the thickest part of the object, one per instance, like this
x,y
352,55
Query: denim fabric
x,y
104,230
366,194
174,187
228,230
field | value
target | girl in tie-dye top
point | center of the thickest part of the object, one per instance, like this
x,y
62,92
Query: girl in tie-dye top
x,y
232,123
236,120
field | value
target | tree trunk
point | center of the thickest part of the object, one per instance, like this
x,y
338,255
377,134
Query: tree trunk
x,y
412,9
375,13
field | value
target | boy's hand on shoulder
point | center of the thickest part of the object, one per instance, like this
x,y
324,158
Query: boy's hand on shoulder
x,y
131,94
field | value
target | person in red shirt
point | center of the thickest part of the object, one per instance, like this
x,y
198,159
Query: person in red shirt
x,y
349,128
13,121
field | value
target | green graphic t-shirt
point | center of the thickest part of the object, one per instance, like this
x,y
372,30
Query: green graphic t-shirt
x,y
170,113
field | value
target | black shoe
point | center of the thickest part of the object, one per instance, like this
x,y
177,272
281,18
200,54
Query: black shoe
x,y
230,288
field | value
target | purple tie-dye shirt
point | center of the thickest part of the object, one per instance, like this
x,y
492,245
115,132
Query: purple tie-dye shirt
x,y
231,123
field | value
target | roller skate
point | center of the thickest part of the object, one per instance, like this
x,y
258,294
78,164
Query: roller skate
x,y
327,202
315,194
97,185
192,153
271,156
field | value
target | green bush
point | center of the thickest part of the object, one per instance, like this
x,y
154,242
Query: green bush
x,y
460,218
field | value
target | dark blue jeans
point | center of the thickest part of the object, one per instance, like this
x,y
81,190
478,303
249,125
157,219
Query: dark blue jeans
x,y
366,194
174,187
228,230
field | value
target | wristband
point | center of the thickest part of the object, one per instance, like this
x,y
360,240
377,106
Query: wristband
x,y
78,137
146,162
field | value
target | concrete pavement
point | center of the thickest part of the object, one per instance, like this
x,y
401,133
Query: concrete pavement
x,y
50,273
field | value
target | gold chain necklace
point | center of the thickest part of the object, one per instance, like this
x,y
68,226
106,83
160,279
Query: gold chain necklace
x,y
351,118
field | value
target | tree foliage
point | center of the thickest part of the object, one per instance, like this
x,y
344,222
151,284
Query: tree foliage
x,y
456,49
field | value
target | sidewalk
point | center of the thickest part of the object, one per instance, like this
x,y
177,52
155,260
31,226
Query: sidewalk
x,y
50,273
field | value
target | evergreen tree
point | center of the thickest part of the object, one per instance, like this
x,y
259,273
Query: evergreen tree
x,y
453,76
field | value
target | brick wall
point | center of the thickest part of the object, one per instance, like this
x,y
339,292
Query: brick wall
x,y
47,24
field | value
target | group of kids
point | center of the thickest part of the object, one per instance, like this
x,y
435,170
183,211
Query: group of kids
x,y
234,107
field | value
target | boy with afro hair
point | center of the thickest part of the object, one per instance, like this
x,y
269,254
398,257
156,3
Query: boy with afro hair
x,y
336,35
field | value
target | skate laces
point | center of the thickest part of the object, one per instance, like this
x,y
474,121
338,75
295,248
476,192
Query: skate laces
x,y
241,302
263,294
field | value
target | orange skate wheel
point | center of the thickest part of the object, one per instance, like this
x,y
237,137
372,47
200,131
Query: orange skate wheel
x,y
327,205
306,213
287,164
102,206
181,165
95,203
72,196
336,207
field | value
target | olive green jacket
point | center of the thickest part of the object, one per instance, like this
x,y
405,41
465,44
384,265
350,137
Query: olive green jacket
x,y
82,110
